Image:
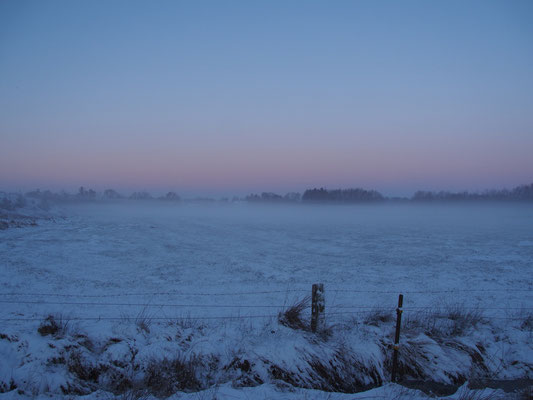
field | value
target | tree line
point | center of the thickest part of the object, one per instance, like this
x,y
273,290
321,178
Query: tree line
x,y
84,194
519,193
358,195
315,195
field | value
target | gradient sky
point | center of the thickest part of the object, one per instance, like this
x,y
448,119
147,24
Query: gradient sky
x,y
226,97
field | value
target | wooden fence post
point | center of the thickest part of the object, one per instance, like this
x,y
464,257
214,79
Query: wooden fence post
x,y
318,306
396,346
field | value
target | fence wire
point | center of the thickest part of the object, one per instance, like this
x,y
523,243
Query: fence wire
x,y
279,306
335,309
147,294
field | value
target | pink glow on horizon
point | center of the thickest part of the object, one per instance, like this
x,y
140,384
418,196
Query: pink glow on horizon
x,y
271,169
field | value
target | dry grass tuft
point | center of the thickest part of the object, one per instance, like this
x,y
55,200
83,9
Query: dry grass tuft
x,y
378,316
167,376
55,325
449,321
292,316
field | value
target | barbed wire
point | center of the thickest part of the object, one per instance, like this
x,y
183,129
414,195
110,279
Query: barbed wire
x,y
432,291
153,294
267,292
451,317
338,309
437,316
284,306
64,303
144,318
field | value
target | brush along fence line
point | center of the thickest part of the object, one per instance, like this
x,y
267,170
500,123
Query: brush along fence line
x,y
318,310
416,318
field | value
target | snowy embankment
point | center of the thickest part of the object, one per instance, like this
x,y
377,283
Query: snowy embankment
x,y
158,301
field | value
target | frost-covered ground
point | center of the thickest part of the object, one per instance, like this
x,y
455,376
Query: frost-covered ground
x,y
185,298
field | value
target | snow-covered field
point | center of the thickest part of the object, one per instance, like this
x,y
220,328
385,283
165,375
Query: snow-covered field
x,y
133,283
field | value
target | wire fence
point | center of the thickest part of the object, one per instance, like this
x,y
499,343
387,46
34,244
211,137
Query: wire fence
x,y
76,300
103,295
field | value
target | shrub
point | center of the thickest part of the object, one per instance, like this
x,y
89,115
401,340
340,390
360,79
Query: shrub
x,y
292,316
463,318
54,325
378,316
167,376
143,320
82,368
450,321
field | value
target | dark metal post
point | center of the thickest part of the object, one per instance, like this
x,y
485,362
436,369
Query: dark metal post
x,y
397,337
318,306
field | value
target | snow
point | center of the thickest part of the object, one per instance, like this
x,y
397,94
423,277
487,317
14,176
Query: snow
x,y
179,268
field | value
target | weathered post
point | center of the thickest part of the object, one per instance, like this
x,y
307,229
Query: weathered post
x,y
318,306
396,346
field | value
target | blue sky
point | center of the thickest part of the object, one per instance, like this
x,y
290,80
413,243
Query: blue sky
x,y
231,97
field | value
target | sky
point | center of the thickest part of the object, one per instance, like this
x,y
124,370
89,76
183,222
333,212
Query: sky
x,y
231,97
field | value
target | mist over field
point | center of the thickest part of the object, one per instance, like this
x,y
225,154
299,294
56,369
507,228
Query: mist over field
x,y
427,245
135,290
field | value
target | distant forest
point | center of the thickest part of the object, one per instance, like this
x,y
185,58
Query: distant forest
x,y
11,201
358,195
